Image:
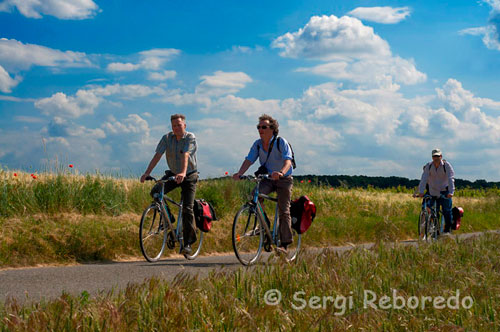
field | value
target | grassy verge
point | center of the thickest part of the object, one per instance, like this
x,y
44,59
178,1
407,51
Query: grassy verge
x,y
68,218
467,270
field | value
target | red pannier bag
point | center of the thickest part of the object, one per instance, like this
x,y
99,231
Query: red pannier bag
x,y
457,213
204,214
302,211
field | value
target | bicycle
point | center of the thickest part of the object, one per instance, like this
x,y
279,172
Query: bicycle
x,y
431,220
156,228
251,229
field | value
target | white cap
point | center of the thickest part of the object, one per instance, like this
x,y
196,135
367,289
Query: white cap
x,y
436,152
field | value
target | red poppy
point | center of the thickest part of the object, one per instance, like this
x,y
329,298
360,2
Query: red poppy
x,y
309,181
301,181
70,165
15,174
226,173
33,176
331,188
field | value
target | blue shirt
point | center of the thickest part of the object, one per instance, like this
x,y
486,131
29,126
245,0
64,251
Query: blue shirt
x,y
277,157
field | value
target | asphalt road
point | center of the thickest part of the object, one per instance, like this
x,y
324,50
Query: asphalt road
x,y
35,284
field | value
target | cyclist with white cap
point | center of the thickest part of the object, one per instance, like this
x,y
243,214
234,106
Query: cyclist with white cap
x,y
438,180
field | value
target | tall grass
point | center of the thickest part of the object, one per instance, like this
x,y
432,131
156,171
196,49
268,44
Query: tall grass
x,y
235,301
67,218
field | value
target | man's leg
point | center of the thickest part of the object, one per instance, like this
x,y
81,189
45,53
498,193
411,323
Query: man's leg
x,y
188,192
266,187
447,203
284,189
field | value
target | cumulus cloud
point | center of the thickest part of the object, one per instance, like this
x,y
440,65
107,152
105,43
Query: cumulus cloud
x,y
62,9
386,15
148,60
351,50
490,32
86,100
211,86
331,38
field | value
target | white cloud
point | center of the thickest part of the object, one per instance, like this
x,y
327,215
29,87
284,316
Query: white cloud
x,y
211,86
14,55
490,32
351,50
386,15
6,82
162,76
331,38
221,83
62,9
148,60
86,100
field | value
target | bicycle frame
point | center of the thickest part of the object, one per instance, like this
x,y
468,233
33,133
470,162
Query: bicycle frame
x,y
272,233
177,232
435,213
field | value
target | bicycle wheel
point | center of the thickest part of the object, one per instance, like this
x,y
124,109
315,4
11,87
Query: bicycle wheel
x,y
196,246
152,233
423,221
293,249
248,236
433,227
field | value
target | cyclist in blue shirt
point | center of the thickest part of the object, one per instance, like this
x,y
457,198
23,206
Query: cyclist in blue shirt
x,y
275,158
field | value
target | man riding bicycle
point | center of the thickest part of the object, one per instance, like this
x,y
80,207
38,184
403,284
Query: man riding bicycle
x,y
180,148
438,179
275,157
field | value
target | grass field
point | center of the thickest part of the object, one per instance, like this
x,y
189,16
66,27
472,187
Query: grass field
x,y
464,273
67,218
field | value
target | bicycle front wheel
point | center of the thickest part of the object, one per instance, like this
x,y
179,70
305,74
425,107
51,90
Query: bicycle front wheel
x,y
433,227
248,236
196,246
152,234
423,222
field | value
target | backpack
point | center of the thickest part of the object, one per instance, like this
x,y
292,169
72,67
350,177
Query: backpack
x,y
457,213
204,214
294,165
302,211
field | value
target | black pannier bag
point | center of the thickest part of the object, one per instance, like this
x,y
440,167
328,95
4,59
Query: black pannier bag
x,y
204,214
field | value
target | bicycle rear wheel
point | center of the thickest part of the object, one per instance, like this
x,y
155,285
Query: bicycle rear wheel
x,y
247,236
423,222
152,234
196,246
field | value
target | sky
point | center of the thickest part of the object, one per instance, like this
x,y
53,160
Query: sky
x,y
358,87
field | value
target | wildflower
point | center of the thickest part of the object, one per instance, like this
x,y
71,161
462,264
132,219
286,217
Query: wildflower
x,y
226,173
70,165
309,181
301,181
15,174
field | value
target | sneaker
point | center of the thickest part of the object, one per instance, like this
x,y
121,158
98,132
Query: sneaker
x,y
187,250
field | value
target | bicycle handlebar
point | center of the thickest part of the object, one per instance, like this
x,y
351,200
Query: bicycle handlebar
x,y
253,178
150,178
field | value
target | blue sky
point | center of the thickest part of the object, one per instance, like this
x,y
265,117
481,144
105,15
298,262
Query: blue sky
x,y
359,87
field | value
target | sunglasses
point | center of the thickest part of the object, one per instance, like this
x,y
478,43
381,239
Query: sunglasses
x,y
263,127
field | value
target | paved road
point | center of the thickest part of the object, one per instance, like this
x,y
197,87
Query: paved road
x,y
33,284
